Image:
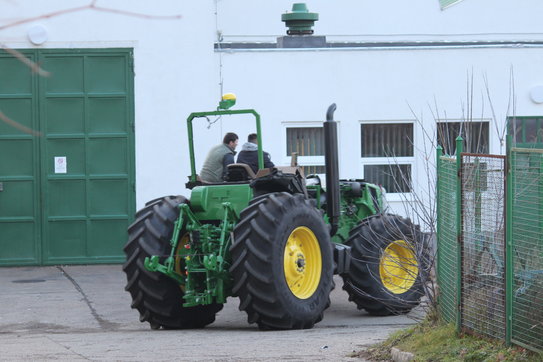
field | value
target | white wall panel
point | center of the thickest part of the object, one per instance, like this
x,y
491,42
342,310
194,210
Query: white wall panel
x,y
177,70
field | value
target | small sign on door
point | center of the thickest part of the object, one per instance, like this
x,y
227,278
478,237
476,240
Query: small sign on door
x,y
60,165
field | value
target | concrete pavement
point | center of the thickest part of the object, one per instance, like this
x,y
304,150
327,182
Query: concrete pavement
x,y
83,313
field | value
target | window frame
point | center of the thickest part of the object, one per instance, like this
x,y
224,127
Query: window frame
x,y
389,161
459,120
538,142
303,160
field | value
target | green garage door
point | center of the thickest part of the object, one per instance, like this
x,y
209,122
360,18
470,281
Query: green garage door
x,y
66,188
19,195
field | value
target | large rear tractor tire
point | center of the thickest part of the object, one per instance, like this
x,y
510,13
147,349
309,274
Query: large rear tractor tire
x,y
388,266
158,298
282,262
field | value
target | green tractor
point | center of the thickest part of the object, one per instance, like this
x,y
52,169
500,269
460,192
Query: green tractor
x,y
275,240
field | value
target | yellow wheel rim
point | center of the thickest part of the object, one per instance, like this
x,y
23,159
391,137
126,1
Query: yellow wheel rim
x,y
302,262
398,267
180,260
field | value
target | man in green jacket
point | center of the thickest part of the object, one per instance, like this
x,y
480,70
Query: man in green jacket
x,y
220,156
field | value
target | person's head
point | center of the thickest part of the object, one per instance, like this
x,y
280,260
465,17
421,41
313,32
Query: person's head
x,y
252,138
231,140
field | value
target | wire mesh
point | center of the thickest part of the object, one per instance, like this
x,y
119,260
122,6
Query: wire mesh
x,y
483,291
483,245
447,262
527,248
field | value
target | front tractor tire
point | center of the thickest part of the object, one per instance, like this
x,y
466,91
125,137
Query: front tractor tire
x,y
282,262
388,266
157,297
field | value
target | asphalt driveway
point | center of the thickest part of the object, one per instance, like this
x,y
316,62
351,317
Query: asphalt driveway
x,y
83,313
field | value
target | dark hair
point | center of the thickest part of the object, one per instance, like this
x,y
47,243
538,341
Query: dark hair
x,y
252,137
229,137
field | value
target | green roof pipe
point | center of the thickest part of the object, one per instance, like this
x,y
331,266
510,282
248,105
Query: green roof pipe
x,y
299,21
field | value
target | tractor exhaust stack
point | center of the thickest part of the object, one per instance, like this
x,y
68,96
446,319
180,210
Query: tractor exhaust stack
x,y
332,172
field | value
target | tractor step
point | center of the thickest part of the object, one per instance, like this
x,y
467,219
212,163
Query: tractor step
x,y
342,258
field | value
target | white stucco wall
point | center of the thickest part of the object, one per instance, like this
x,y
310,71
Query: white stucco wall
x,y
384,85
177,70
388,19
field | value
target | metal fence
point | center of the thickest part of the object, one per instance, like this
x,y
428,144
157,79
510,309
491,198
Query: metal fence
x,y
482,244
527,247
447,251
490,244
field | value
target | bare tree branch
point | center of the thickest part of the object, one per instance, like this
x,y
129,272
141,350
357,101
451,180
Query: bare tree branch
x,y
19,126
134,14
91,6
37,69
32,65
45,16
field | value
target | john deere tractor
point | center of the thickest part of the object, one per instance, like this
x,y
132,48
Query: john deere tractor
x,y
275,240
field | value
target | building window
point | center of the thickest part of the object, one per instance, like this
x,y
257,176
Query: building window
x,y
387,140
475,135
308,143
387,155
314,170
526,131
394,178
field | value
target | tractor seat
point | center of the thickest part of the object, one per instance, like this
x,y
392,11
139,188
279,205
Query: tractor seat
x,y
239,172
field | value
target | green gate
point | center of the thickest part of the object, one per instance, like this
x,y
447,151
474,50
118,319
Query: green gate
x,y
526,237
66,156
490,272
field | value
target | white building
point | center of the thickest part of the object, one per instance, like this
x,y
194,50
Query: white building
x,y
391,67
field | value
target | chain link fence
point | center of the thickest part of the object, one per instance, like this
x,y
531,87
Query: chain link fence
x,y
527,247
483,241
490,244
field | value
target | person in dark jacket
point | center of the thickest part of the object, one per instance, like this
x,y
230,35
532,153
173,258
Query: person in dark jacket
x,y
249,154
220,156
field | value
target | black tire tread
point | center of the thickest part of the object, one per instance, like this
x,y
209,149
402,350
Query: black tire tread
x,y
362,283
158,298
252,263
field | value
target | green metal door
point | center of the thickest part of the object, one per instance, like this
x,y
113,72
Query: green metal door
x,y
84,169
19,193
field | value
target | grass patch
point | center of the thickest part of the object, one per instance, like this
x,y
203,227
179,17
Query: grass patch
x,y
439,342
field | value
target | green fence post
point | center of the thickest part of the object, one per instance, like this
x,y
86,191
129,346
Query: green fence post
x,y
459,150
477,193
439,153
508,243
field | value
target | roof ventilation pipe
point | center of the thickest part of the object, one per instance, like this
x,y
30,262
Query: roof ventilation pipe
x,y
300,24
299,21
